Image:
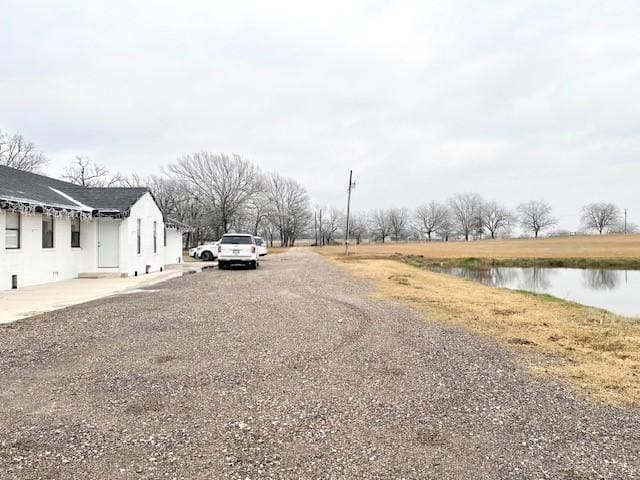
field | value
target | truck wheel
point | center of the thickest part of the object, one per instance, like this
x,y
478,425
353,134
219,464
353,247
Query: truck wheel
x,y
254,265
221,265
206,256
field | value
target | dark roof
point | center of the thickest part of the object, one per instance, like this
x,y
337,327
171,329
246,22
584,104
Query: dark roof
x,y
34,189
107,198
31,188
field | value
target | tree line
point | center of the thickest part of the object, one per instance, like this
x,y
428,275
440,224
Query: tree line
x,y
217,193
465,216
212,193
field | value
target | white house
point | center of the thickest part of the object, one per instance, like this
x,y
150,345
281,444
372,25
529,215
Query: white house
x,y
54,230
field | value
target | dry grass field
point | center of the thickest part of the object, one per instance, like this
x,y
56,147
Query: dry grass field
x,y
587,247
595,350
274,250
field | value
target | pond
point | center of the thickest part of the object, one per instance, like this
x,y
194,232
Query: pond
x,y
615,290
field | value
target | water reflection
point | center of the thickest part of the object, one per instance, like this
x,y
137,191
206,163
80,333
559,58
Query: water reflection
x,y
601,279
494,277
614,290
534,279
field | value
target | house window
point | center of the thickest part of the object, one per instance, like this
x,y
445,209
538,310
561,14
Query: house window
x,y
139,236
164,230
12,230
75,232
47,231
155,237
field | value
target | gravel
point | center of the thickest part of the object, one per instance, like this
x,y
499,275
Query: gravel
x,y
286,372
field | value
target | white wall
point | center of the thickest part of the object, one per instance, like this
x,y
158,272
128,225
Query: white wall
x,y
34,264
146,210
173,250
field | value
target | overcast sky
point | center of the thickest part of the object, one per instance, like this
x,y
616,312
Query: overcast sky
x,y
515,100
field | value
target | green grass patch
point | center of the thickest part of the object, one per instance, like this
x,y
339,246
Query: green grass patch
x,y
474,262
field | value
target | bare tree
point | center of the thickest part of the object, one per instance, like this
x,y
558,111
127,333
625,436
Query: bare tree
x,y
220,182
358,226
134,180
83,171
332,220
447,228
600,216
259,211
495,217
204,224
431,217
289,208
18,152
317,230
398,221
620,227
167,192
380,225
267,231
535,216
465,209
254,217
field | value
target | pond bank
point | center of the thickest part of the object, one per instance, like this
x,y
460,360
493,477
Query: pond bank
x,y
594,349
482,262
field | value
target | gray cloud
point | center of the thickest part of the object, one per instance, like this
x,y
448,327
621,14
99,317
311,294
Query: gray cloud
x,y
516,100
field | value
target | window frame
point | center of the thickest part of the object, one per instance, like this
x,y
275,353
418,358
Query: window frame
x,y
238,242
72,221
45,217
139,235
19,230
155,236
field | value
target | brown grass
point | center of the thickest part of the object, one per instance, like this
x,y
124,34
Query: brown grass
x,y
594,349
276,250
589,247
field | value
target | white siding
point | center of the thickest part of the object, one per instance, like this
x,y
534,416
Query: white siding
x,y
34,264
173,250
147,211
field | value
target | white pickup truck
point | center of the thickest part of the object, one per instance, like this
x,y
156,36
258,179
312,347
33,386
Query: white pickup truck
x,y
238,249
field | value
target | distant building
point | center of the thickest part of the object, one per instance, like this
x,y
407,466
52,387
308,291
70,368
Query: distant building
x,y
52,230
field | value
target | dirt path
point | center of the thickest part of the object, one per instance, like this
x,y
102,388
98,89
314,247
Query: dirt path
x,y
287,372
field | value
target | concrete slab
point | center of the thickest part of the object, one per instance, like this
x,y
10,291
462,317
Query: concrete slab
x,y
194,267
29,301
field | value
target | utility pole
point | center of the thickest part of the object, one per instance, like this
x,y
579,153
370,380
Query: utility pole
x,y
321,238
352,185
625,221
315,225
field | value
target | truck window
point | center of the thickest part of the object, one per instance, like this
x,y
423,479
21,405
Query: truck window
x,y
236,239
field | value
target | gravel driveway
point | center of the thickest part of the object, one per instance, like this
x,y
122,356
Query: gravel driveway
x,y
285,372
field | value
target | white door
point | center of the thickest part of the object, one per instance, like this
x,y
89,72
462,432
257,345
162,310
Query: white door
x,y
108,242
